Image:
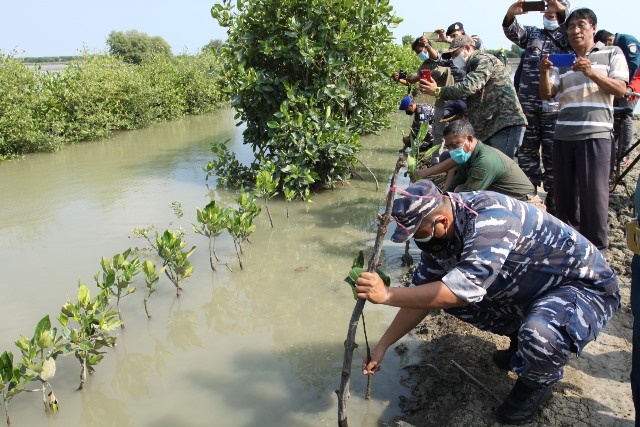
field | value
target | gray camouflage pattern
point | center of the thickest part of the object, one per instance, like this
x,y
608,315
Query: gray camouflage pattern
x,y
524,270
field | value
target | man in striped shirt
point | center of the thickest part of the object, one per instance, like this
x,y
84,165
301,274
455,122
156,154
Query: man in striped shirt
x,y
583,133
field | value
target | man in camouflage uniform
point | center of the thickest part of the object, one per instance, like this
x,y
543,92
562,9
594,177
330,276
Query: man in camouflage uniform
x,y
422,113
541,115
494,110
503,266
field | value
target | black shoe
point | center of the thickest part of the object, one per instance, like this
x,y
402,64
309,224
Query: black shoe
x,y
502,358
521,406
550,203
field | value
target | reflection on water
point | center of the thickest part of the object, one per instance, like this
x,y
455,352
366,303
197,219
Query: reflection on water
x,y
255,347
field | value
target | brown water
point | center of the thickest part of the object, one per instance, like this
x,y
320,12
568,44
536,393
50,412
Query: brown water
x,y
261,346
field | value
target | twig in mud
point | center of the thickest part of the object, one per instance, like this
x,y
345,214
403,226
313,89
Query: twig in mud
x,y
372,174
349,343
495,396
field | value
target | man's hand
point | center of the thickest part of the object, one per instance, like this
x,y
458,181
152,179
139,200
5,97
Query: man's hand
x,y
583,64
427,86
371,287
554,6
514,10
406,141
442,37
373,366
545,63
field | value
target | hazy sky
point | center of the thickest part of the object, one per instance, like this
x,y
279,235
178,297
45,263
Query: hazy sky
x,y
65,27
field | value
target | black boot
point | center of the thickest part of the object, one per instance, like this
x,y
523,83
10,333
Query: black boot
x,y
502,358
521,406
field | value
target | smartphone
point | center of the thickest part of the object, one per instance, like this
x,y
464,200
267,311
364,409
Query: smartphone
x,y
429,35
562,59
534,6
425,74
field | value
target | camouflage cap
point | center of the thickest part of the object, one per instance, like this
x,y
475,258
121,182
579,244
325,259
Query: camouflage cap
x,y
457,43
410,209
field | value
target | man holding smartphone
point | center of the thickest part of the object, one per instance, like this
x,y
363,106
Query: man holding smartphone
x,y
494,110
534,156
582,137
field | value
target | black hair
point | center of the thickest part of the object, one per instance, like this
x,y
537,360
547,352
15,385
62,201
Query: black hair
x,y
582,13
602,36
459,127
417,43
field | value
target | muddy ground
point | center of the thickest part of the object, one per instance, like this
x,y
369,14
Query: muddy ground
x,y
595,390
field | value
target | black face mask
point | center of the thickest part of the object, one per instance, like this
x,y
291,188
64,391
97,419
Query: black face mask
x,y
435,244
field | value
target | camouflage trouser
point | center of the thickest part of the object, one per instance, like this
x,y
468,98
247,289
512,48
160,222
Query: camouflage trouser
x,y
538,137
557,324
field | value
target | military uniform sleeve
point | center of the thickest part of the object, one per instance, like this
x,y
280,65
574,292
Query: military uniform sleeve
x,y
517,34
487,243
479,178
478,74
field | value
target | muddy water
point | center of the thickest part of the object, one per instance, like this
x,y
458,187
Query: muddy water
x,y
261,346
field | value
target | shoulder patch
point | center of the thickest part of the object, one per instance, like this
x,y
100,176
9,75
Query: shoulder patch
x,y
633,48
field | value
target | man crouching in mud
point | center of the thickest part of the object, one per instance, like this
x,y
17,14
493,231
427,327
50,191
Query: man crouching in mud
x,y
505,267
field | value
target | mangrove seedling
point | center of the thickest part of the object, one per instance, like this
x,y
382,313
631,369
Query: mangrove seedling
x,y
151,278
266,185
39,354
176,261
12,381
241,219
117,274
212,221
87,325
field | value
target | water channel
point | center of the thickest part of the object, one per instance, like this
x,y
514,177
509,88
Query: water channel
x,y
261,346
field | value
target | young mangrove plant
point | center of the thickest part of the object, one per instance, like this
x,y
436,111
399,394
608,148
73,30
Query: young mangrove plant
x,y
38,361
241,219
151,278
87,325
12,381
212,222
266,185
117,276
176,261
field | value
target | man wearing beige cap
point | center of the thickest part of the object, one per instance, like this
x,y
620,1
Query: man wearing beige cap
x,y
494,110
505,267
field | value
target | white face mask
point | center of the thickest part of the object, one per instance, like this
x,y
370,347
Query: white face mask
x,y
460,61
549,24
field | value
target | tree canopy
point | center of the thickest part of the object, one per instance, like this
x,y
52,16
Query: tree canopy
x,y
132,46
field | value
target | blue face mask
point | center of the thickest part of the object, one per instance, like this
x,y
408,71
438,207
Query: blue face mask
x,y
423,56
460,156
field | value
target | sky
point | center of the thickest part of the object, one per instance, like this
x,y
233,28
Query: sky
x,y
66,27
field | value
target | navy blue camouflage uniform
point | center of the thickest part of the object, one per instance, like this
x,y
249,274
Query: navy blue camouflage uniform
x,y
523,270
541,115
423,114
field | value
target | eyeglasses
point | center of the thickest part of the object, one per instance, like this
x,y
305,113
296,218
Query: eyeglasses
x,y
580,26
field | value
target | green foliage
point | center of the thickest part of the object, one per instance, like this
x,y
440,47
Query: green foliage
x,y
240,225
134,46
87,325
357,268
407,40
178,267
98,94
230,172
266,185
213,220
151,278
117,275
307,77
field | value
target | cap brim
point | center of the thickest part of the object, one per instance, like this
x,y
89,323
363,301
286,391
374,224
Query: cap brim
x,y
450,118
401,235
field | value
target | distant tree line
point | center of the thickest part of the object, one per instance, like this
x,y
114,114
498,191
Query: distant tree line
x,y
140,82
45,59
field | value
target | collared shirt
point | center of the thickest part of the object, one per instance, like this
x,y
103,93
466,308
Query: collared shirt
x,y
586,111
508,253
490,169
491,98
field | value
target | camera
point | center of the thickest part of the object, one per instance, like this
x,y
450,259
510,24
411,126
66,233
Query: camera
x,y
402,74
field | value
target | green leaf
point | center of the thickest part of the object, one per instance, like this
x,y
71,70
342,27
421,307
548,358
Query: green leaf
x,y
385,279
359,260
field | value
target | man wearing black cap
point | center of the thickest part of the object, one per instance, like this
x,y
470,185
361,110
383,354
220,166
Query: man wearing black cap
x,y
505,267
494,110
